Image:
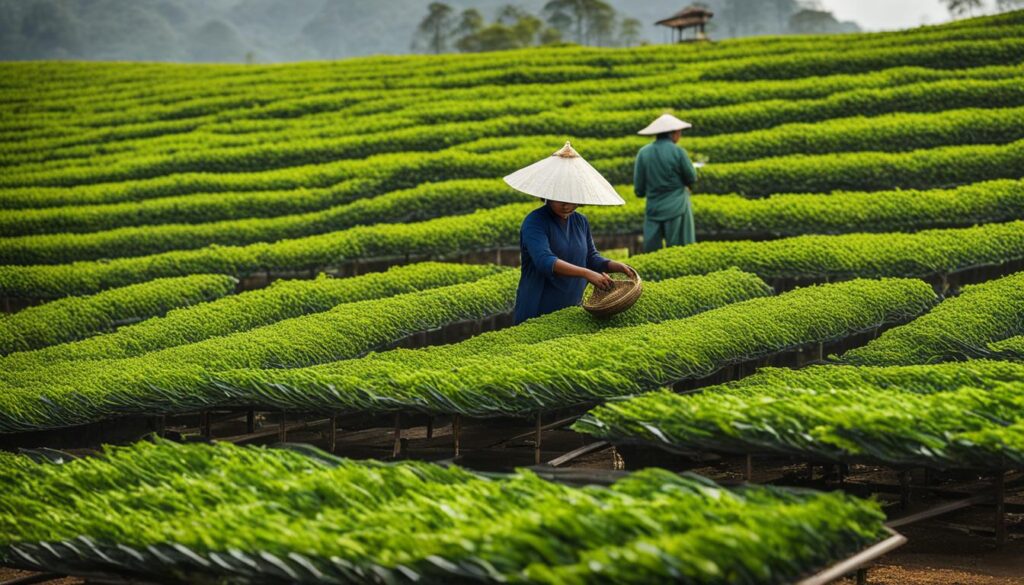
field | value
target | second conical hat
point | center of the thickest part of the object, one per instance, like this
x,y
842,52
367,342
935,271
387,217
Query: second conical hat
x,y
664,123
565,176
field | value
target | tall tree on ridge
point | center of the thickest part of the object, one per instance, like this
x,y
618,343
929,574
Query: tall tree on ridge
x,y
436,27
629,31
589,17
470,22
962,7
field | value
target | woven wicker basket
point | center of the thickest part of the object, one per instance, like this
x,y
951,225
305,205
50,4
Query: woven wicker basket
x,y
621,296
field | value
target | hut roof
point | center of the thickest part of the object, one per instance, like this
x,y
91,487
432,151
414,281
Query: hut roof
x,y
689,16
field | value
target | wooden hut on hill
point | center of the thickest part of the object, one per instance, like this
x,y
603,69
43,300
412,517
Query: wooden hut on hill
x,y
691,17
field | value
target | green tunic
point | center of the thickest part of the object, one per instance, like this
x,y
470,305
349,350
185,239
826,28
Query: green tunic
x,y
663,174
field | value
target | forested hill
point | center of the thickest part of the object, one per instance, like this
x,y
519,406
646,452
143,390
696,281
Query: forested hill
x,y
268,31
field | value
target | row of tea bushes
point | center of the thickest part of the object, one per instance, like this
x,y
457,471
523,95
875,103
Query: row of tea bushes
x,y
177,377
418,115
816,257
665,300
270,155
410,113
264,151
960,415
715,216
324,185
231,370
959,327
569,370
283,299
917,254
174,379
221,512
74,318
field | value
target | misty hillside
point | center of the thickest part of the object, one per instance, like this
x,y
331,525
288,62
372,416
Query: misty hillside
x,y
267,31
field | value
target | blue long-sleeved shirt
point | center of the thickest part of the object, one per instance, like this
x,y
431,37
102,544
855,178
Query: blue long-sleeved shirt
x,y
543,238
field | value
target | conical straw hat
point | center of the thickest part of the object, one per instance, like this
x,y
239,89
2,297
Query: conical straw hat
x,y
664,123
565,176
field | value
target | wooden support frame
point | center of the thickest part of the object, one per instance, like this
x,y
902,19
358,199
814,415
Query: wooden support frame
x,y
204,425
396,447
905,489
578,452
160,425
857,562
332,434
999,492
538,433
456,433
282,428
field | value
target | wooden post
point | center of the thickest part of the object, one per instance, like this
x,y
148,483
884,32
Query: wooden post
x,y
430,427
905,489
250,421
160,425
204,424
999,485
282,429
396,450
456,431
749,471
862,576
536,447
332,434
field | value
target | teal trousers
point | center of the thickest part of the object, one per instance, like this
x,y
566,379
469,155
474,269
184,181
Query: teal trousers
x,y
677,231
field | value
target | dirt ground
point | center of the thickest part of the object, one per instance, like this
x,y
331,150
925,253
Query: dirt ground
x,y
905,575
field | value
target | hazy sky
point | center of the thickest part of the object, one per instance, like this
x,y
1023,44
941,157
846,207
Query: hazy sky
x,y
888,14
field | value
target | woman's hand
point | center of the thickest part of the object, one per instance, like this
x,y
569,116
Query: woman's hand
x,y
614,266
599,280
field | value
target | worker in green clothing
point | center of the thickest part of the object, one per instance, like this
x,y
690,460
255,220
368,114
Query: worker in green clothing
x,y
663,174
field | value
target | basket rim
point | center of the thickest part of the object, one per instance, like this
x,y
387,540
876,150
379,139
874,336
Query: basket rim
x,y
631,289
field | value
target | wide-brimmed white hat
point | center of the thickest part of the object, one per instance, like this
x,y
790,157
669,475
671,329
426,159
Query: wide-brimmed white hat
x,y
565,176
664,123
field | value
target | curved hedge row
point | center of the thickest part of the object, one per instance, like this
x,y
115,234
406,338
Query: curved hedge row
x,y
1012,347
853,255
674,298
844,212
409,522
73,318
260,151
425,202
846,256
939,55
277,163
207,373
283,299
470,104
925,169
960,418
725,216
897,131
566,371
76,392
962,326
